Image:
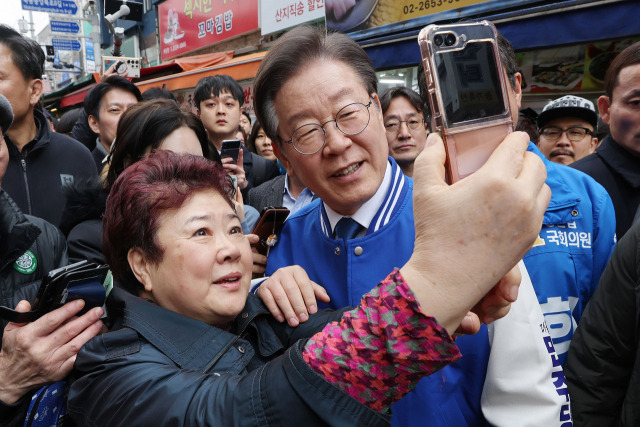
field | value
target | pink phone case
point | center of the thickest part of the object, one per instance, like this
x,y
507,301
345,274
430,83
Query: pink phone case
x,y
469,143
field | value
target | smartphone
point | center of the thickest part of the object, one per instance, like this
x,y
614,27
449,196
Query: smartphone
x,y
268,227
468,92
230,148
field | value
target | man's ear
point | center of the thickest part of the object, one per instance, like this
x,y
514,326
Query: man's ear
x,y
593,145
140,267
93,123
36,91
517,88
277,150
604,104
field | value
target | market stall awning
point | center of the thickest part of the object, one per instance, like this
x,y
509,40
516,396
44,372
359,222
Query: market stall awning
x,y
240,68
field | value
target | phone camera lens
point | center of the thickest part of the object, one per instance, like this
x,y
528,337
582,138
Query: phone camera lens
x,y
438,40
450,39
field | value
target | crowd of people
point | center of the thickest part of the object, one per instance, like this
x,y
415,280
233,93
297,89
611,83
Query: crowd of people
x,y
388,297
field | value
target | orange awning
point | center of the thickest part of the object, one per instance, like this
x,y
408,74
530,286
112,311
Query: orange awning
x,y
240,68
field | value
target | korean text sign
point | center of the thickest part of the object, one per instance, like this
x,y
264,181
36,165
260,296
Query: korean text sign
x,y
187,25
277,15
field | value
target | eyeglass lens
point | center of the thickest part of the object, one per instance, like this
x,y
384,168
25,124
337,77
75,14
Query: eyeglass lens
x,y
393,126
573,134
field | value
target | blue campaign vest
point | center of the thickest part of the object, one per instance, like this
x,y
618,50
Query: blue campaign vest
x,y
347,271
574,245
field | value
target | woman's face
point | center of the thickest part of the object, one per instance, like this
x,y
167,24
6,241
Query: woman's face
x,y
205,271
181,140
263,146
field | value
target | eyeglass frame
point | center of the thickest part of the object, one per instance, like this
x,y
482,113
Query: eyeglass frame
x,y
417,116
324,133
565,131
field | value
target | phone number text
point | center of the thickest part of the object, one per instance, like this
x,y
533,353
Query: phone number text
x,y
426,5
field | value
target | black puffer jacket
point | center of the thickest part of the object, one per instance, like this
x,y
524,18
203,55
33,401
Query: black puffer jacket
x,y
29,248
603,364
161,368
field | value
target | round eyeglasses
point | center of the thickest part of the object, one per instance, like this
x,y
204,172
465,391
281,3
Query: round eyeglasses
x,y
393,126
350,120
574,134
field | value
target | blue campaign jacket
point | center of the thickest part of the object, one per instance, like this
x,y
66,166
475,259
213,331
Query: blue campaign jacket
x,y
575,243
450,397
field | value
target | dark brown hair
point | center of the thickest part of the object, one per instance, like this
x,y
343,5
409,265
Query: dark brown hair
x,y
629,56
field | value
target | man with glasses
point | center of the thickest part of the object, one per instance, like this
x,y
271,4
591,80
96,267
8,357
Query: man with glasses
x,y
317,99
405,126
567,129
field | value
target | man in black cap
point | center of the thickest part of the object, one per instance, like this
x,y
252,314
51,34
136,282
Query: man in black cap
x,y
41,162
42,351
567,128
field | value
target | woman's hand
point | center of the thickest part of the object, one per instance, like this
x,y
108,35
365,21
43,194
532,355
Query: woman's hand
x,y
290,294
470,234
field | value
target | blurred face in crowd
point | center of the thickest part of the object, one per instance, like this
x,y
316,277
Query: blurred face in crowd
x,y
406,131
622,111
244,122
567,139
220,116
181,140
112,105
205,270
347,171
263,146
23,94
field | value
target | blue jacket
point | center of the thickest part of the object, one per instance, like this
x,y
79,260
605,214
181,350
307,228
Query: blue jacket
x,y
349,271
575,243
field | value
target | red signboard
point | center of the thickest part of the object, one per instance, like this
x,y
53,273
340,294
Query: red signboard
x,y
186,25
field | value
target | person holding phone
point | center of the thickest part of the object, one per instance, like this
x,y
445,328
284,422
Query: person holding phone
x,y
335,139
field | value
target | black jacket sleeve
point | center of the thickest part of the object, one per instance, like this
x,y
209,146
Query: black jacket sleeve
x,y
603,364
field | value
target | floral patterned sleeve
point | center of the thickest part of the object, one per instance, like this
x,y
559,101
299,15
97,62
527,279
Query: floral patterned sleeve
x,y
380,350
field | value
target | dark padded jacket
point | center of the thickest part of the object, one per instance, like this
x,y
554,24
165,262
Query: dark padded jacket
x,y
161,368
603,364
29,249
35,176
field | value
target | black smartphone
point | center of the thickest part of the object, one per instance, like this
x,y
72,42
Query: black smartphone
x,y
230,148
268,227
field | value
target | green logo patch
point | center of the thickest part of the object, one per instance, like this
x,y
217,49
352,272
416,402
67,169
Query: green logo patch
x,y
27,263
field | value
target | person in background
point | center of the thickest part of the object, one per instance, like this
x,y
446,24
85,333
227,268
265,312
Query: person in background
x,y
363,225
528,122
245,122
616,162
219,101
567,128
192,345
41,352
104,104
602,366
260,144
405,126
157,124
68,120
241,135
157,92
41,162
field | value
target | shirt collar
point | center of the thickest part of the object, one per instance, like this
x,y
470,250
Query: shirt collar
x,y
368,210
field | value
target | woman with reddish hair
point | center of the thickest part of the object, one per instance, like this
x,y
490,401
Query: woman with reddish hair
x,y
190,346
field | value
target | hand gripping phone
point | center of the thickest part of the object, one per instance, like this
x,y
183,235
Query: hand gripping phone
x,y
268,227
468,92
230,148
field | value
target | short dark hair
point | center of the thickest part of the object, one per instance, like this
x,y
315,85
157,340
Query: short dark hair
x,y
400,92
629,56
162,181
290,54
158,92
26,54
247,115
145,125
95,95
213,85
